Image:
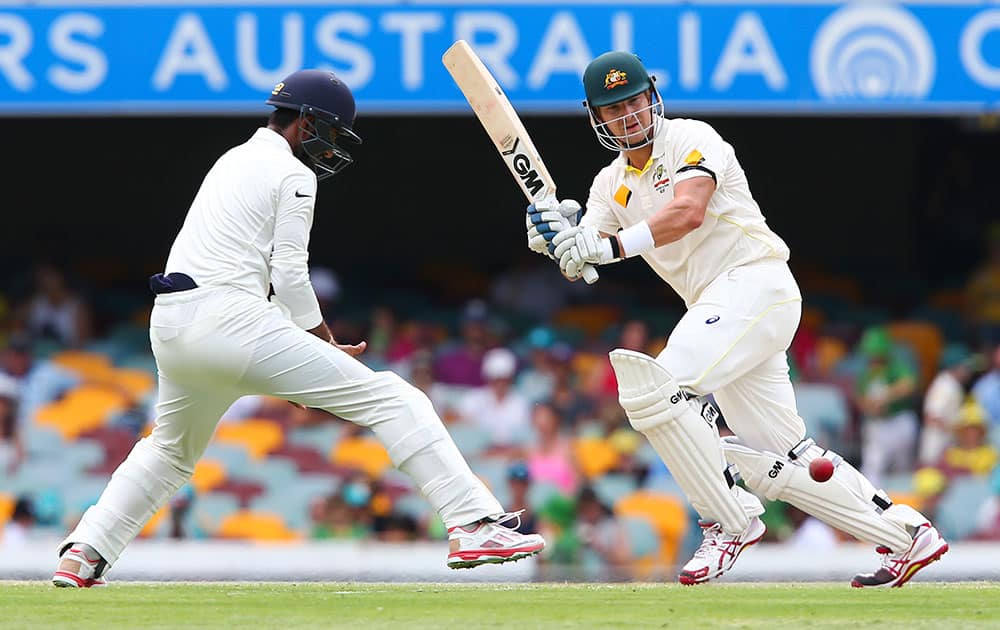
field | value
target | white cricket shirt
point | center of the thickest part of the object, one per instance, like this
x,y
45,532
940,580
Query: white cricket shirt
x,y
733,233
248,226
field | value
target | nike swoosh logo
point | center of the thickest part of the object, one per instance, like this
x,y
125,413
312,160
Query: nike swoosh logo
x,y
298,194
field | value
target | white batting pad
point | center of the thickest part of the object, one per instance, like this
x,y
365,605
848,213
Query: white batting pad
x,y
686,442
846,501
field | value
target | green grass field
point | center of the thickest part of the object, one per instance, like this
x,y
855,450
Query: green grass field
x,y
358,606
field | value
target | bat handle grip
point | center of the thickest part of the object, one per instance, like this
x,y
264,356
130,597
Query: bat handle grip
x,y
590,274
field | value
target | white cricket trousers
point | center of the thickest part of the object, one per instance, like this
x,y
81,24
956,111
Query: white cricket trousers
x,y
731,343
215,344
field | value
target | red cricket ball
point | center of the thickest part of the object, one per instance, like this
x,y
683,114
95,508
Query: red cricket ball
x,y
820,469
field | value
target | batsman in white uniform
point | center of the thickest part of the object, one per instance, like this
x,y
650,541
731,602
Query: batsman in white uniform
x,y
677,196
217,337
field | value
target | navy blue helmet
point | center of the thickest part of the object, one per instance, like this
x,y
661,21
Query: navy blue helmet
x,y
328,101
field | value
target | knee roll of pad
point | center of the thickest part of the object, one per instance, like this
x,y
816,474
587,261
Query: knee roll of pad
x,y
686,440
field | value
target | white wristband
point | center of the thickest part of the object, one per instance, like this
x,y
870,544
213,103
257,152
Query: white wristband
x,y
636,240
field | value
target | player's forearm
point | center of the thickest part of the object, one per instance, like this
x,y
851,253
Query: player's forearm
x,y
676,220
293,288
322,331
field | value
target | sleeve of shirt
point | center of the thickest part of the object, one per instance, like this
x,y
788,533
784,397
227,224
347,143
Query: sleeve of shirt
x,y
290,255
698,152
599,214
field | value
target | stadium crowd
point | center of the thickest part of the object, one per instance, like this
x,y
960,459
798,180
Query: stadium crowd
x,y
520,376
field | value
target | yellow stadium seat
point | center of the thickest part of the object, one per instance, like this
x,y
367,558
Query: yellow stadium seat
x,y
89,365
361,453
259,526
927,342
829,352
911,499
594,456
208,475
6,508
84,408
592,319
257,435
149,530
135,382
667,515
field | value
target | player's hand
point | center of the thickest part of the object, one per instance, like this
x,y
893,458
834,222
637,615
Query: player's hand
x,y
353,350
577,247
547,217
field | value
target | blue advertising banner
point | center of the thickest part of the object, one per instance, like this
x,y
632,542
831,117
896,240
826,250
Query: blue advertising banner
x,y
118,56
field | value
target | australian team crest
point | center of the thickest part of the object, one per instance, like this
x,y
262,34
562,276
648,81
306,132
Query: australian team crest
x,y
660,181
615,78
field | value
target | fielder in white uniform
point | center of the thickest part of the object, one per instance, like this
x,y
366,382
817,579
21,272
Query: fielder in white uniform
x,y
217,337
677,196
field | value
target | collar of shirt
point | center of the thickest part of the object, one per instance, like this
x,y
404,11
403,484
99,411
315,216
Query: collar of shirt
x,y
659,148
273,138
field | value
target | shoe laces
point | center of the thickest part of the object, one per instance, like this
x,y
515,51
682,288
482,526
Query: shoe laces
x,y
711,532
506,517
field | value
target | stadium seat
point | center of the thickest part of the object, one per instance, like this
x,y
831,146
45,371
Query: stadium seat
x,y
306,458
41,440
825,412
539,494
272,473
470,439
956,512
666,513
612,487
157,525
84,408
594,456
319,436
91,366
829,352
6,507
293,509
926,341
234,457
259,436
82,455
208,474
592,319
361,453
259,526
136,382
642,537
214,507
82,493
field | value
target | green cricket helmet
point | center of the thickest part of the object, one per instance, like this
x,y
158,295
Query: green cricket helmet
x,y
618,76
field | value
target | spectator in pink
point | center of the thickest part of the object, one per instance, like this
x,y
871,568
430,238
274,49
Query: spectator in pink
x,y
550,458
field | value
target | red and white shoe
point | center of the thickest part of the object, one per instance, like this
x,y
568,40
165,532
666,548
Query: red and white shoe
x,y
80,567
898,568
488,541
718,551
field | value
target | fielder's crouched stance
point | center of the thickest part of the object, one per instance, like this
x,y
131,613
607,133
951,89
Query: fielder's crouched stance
x,y
677,196
216,337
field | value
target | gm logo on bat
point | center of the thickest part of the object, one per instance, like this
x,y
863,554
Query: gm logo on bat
x,y
522,166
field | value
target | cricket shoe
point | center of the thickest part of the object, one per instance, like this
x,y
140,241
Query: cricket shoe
x,y
488,541
898,568
718,551
80,567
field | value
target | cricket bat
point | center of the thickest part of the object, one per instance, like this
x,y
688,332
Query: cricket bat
x,y
503,126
